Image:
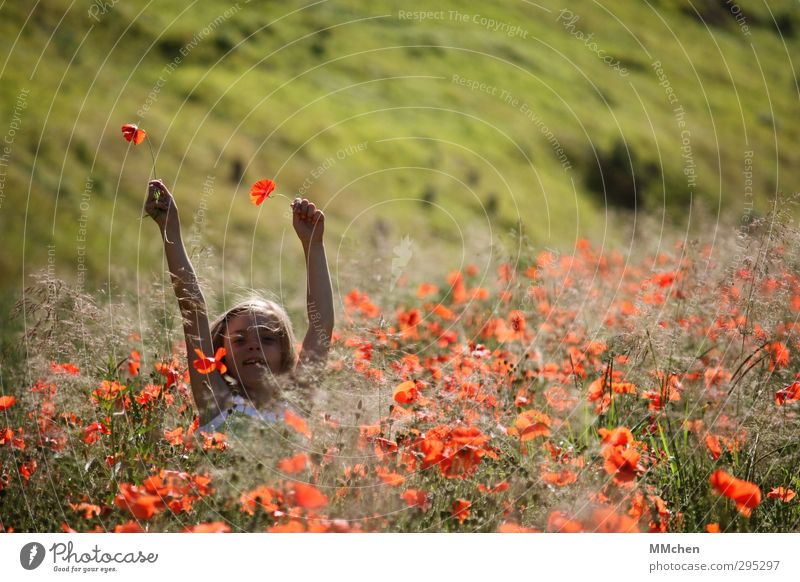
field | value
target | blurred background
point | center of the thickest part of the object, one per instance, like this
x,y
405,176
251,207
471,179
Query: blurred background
x,y
431,134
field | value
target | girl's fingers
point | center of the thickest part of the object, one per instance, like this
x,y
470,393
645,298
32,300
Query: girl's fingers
x,y
311,210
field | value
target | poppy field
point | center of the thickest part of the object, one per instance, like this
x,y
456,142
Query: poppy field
x,y
655,390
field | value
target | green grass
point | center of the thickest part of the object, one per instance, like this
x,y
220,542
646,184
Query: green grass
x,y
281,91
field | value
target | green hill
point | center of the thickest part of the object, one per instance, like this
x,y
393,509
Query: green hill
x,y
447,125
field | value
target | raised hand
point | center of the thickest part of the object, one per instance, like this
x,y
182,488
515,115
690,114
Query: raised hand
x,y
160,206
308,221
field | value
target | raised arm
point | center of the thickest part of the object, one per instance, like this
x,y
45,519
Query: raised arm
x,y
309,224
210,391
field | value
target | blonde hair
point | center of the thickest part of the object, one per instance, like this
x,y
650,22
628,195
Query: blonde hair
x,y
272,310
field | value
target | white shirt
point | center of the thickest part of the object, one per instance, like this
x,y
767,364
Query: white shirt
x,y
244,407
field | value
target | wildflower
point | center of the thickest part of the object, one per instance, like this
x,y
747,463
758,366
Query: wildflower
x,y
6,436
210,527
6,402
559,522
621,458
426,289
89,510
292,465
785,495
391,479
746,495
779,355
108,391
531,424
70,369
307,496
216,441
132,132
134,362
713,446
261,190
292,526
384,447
461,509
416,498
206,365
129,527
90,433
260,496
150,393
790,393
27,469
174,437
296,423
517,320
138,501
458,452
406,392
606,520
559,478
499,488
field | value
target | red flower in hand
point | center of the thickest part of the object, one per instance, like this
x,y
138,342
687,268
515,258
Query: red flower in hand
x,y
261,190
206,365
131,132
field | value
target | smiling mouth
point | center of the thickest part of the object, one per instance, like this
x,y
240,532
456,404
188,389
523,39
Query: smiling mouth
x,y
255,362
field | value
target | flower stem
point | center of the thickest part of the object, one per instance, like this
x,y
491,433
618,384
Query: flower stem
x,y
281,195
153,155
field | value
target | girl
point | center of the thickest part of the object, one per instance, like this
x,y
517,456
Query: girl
x,y
256,334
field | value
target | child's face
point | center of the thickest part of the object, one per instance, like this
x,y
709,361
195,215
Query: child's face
x,y
252,351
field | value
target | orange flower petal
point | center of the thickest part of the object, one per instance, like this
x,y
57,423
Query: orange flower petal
x,y
296,423
307,496
261,190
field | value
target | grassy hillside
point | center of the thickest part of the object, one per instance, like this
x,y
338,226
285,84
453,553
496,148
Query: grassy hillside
x,y
278,89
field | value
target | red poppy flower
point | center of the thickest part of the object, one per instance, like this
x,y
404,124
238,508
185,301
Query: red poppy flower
x,y
296,423
559,522
746,495
461,509
131,132
790,392
211,527
138,501
261,190
129,527
307,496
174,437
6,402
134,362
70,369
206,365
406,392
416,498
293,526
292,465
782,493
391,479
531,424
90,433
260,496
